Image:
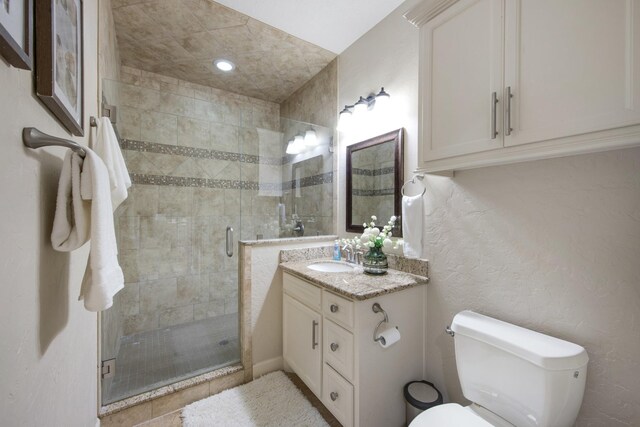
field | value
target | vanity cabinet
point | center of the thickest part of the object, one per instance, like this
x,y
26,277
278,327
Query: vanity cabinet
x,y
511,80
328,343
302,345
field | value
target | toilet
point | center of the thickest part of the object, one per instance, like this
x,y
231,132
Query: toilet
x,y
513,376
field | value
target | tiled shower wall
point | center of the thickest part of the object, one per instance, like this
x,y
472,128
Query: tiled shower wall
x,y
312,174
201,159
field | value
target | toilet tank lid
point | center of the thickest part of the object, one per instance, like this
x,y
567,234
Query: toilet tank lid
x,y
543,350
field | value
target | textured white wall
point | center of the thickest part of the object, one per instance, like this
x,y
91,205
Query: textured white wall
x,y
49,343
386,56
552,245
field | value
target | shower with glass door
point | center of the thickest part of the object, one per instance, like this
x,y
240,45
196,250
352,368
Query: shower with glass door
x,y
205,175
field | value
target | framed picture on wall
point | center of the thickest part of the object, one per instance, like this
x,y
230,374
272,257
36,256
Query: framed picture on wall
x,y
16,29
59,73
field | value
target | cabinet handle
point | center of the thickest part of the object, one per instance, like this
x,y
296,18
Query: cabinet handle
x,y
334,346
494,106
314,343
334,396
507,112
333,308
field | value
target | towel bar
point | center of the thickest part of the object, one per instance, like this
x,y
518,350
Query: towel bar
x,y
33,138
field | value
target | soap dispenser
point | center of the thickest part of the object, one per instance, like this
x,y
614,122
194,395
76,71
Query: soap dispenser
x,y
336,251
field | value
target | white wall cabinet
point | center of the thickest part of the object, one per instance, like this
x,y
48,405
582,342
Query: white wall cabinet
x,y
512,80
361,382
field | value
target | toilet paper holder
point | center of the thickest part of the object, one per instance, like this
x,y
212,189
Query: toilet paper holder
x,y
378,309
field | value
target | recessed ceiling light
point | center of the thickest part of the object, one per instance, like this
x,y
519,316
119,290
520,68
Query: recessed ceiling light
x,y
224,65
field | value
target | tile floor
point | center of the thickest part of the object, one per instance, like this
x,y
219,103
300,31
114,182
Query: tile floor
x,y
152,359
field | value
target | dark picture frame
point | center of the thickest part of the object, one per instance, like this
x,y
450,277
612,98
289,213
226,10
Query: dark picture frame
x,y
15,48
396,136
59,61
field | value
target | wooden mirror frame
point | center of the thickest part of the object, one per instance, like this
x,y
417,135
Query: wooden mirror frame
x,y
396,136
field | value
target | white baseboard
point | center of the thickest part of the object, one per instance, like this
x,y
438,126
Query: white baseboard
x,y
266,366
97,422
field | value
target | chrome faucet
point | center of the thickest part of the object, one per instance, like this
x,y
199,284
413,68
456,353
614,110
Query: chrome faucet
x,y
299,228
349,253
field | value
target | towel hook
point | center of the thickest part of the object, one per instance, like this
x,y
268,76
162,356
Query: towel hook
x,y
420,177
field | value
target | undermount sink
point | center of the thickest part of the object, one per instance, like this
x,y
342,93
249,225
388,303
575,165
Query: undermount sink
x,y
331,267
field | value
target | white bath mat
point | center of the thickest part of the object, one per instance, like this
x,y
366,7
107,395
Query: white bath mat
x,y
269,401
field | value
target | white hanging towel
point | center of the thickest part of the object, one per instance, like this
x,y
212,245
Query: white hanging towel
x,y
103,277
73,215
107,147
412,226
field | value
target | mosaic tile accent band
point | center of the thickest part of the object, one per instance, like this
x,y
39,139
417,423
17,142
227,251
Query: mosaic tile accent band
x,y
373,172
227,184
308,181
382,192
201,153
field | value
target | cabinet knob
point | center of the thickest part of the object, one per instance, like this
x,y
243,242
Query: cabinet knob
x,y
334,308
334,396
334,346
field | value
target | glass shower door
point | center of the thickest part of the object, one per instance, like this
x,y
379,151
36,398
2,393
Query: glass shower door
x,y
178,314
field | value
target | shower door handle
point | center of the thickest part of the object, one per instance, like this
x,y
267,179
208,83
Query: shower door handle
x,y
229,243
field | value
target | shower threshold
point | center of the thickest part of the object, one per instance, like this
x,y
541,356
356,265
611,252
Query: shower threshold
x,y
153,359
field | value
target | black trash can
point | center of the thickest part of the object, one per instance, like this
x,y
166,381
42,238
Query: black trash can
x,y
420,396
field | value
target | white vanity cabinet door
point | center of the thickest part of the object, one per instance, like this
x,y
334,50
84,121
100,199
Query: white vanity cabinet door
x,y
461,72
573,67
302,346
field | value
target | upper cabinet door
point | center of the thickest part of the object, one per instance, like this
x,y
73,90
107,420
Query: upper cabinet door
x,y
461,76
573,67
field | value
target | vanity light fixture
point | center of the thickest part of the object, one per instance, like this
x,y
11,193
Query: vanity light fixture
x,y
224,65
362,106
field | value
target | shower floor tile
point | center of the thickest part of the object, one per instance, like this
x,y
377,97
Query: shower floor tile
x,y
152,359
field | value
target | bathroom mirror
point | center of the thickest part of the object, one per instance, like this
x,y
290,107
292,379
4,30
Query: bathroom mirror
x,y
374,180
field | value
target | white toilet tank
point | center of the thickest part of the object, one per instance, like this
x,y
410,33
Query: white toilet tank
x,y
525,377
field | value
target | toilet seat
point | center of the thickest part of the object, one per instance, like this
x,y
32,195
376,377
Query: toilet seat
x,y
449,415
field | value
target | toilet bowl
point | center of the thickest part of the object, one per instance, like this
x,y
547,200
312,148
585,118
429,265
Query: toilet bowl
x,y
513,376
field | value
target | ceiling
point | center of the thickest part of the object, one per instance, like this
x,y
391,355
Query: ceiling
x,y
331,24
182,38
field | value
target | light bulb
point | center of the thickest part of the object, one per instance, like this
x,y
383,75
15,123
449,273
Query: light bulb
x,y
298,143
224,65
361,107
345,119
310,138
382,100
291,148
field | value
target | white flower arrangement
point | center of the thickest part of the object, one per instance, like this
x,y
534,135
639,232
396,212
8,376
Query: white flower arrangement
x,y
373,237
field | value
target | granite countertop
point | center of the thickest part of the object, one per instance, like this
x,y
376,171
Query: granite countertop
x,y
355,285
